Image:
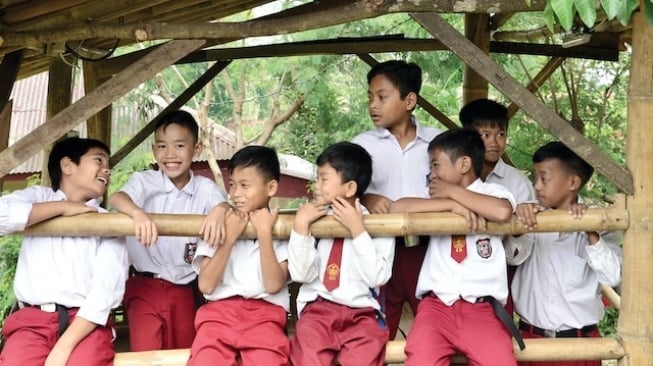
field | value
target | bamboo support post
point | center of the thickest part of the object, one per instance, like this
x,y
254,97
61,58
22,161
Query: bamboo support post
x,y
543,349
612,296
116,224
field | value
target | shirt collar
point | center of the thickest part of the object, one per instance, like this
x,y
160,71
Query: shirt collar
x,y
168,186
382,132
499,169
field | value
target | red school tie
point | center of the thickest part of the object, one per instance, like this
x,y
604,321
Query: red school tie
x,y
458,247
332,272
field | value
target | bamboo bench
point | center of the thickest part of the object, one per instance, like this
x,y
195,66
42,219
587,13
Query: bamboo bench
x,y
543,349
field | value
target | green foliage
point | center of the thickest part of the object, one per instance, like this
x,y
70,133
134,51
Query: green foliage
x,y
564,12
608,325
9,248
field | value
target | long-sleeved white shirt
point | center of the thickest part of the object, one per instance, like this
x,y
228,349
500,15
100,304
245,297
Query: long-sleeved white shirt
x,y
557,283
366,264
85,272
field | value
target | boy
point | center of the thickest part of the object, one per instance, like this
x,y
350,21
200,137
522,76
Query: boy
x,y
243,279
490,119
336,301
556,287
400,169
463,277
161,294
65,286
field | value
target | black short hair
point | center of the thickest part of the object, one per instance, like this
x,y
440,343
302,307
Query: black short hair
x,y
571,162
263,158
459,142
181,118
351,161
72,148
483,112
406,77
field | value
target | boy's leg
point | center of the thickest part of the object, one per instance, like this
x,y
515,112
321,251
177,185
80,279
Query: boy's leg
x,y
95,349
146,329
215,337
593,334
401,286
363,339
30,334
314,342
429,340
181,316
482,337
264,341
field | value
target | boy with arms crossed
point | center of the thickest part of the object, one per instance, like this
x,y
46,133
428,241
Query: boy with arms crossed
x,y
400,169
463,276
245,317
65,286
161,295
338,312
556,288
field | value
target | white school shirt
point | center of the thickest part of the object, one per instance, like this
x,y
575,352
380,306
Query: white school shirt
x,y
398,173
481,273
154,192
557,283
243,275
366,263
85,272
514,180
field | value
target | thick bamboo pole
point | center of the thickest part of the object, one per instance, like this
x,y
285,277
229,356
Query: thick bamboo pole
x,y
636,313
536,350
112,224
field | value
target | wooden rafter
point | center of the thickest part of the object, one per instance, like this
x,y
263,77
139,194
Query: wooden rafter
x,y
538,80
147,130
95,101
8,73
511,88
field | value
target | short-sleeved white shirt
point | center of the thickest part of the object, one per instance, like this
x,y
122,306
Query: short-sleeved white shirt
x,y
243,275
86,272
514,180
397,172
153,191
482,273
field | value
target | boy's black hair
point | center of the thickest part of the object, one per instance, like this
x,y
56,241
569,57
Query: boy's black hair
x,y
181,118
73,148
571,162
264,159
484,112
459,142
406,77
351,161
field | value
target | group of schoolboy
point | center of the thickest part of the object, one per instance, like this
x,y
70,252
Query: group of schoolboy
x,y
353,288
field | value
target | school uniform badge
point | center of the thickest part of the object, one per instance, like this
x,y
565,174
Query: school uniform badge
x,y
484,248
189,252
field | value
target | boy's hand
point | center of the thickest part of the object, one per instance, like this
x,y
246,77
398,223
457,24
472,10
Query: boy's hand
x,y
351,217
473,220
377,204
235,222
526,214
144,228
307,214
440,189
213,226
263,219
577,210
76,208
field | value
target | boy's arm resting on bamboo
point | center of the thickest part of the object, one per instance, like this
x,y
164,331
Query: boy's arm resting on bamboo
x,y
145,229
303,265
275,274
493,208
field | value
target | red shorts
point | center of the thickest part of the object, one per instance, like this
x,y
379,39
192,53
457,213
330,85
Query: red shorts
x,y
31,334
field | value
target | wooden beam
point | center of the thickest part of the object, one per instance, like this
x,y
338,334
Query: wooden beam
x,y
176,104
98,126
477,30
553,50
5,127
348,12
636,315
95,101
430,108
115,224
8,73
561,349
511,88
538,80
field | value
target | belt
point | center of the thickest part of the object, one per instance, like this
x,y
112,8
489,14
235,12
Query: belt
x,y
64,318
421,240
567,333
134,272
